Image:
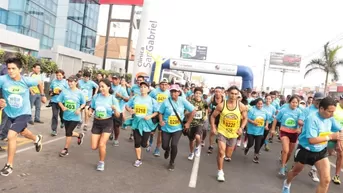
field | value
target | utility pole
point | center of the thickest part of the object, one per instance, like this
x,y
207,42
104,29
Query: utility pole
x,y
107,36
263,73
128,49
282,80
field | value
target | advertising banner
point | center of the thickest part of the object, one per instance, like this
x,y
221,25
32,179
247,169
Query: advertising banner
x,y
193,52
279,60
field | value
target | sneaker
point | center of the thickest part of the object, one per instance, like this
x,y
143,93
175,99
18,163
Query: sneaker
x,y
85,127
245,144
171,167
39,144
286,188
116,143
202,144
239,143
53,133
111,137
266,147
62,125
80,138
31,123
282,171
166,154
336,180
148,149
157,152
228,159
313,175
100,166
270,140
40,122
220,176
7,170
137,163
246,151
131,137
64,153
255,160
210,149
191,156
197,152
79,126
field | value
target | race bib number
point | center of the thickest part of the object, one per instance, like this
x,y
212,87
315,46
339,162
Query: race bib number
x,y
57,90
161,97
173,120
259,121
341,123
100,112
324,134
198,115
70,105
15,101
141,109
230,124
85,93
290,122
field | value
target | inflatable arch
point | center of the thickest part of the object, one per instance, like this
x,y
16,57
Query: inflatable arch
x,y
209,67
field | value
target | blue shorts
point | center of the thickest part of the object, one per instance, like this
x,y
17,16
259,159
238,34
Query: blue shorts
x,y
18,124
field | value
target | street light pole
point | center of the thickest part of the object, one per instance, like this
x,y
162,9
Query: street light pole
x,y
263,73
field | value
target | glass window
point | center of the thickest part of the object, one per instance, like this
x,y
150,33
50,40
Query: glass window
x,y
50,42
18,5
46,29
33,23
3,16
51,34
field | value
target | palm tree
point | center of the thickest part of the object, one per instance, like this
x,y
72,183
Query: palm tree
x,y
328,64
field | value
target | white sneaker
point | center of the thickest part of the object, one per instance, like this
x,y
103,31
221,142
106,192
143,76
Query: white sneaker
x,y
245,144
220,176
191,156
313,175
239,143
197,152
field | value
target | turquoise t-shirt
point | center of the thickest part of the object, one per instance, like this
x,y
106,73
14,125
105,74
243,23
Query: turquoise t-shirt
x,y
289,117
56,86
17,95
102,106
172,124
159,95
271,112
87,88
260,116
276,104
122,91
316,126
72,100
309,110
136,90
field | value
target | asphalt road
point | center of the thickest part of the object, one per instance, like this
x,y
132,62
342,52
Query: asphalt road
x,y
46,172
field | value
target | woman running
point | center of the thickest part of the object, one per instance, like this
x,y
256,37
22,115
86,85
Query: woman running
x,y
170,118
143,108
257,123
56,88
290,116
71,101
271,110
103,105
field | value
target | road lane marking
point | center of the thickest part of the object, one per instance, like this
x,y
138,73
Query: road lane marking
x,y
32,147
195,169
334,165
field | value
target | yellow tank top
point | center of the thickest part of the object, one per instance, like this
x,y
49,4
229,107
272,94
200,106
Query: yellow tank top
x,y
230,121
338,114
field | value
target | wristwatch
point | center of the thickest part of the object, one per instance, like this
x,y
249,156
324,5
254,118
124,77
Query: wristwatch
x,y
42,95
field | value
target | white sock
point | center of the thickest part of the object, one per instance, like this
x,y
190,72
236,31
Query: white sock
x,y
286,185
220,171
37,138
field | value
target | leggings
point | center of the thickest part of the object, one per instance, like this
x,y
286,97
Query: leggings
x,y
170,142
140,141
257,139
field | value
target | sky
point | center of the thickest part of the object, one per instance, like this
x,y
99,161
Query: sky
x,y
245,32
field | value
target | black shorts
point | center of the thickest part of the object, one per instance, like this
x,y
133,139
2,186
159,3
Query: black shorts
x,y
102,126
278,124
70,126
18,124
197,130
155,120
307,157
117,122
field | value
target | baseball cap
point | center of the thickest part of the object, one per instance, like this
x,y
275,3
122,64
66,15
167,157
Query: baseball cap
x,y
175,87
318,96
73,78
144,82
115,76
164,80
302,102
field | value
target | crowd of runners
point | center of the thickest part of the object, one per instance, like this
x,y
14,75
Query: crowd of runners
x,y
308,130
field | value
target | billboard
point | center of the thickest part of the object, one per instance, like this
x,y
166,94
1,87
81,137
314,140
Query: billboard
x,y
122,2
279,60
193,52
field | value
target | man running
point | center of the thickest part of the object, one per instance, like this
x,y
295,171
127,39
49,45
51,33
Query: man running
x,y
233,117
17,107
319,128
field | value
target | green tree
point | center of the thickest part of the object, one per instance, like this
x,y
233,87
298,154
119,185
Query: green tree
x,y
328,63
48,66
2,57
